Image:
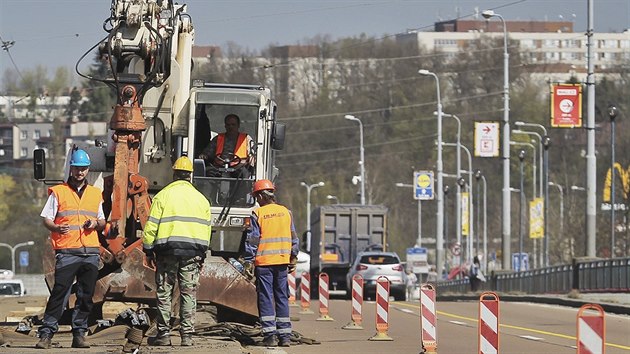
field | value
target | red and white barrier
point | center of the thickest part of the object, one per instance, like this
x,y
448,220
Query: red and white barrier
x,y
324,295
591,329
428,318
357,303
292,286
382,310
488,342
305,293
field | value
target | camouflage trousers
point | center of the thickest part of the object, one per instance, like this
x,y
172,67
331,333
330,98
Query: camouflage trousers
x,y
185,272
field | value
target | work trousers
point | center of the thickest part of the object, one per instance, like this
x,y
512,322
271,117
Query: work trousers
x,y
273,300
67,267
184,271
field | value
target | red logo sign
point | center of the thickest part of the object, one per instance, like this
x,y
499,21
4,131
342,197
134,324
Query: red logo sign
x,y
566,105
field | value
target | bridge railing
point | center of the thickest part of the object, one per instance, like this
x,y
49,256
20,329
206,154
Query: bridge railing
x,y
584,275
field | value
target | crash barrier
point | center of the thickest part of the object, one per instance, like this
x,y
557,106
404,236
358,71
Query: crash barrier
x,y
584,275
323,298
591,329
488,328
291,281
305,293
382,310
428,318
357,303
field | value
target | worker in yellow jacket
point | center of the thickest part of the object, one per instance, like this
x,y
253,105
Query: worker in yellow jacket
x,y
175,240
271,247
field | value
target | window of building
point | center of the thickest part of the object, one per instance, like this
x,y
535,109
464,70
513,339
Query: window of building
x,y
23,152
36,134
528,44
23,134
49,133
551,43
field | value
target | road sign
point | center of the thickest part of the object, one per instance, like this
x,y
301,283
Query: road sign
x,y
417,259
23,258
524,266
487,139
423,185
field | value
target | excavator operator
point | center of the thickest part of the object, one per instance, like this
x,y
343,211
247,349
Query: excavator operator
x,y
230,150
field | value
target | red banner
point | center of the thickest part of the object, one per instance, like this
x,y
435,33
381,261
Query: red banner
x,y
566,105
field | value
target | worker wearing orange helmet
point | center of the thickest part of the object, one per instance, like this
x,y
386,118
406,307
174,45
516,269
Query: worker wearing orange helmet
x,y
272,246
73,213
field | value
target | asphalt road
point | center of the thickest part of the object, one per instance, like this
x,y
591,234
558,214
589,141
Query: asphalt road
x,y
524,328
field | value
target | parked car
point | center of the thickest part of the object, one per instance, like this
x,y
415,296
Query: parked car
x,y
303,264
374,264
12,287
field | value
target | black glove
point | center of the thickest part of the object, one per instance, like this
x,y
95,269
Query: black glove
x,y
292,264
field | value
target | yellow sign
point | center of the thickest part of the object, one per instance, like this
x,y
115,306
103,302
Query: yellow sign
x,y
424,181
465,214
536,218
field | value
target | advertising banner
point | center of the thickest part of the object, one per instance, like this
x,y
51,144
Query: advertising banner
x,y
536,218
566,105
465,213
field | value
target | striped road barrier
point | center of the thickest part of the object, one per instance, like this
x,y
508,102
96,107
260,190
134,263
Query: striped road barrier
x,y
305,294
382,310
291,281
428,318
324,295
488,340
591,329
357,303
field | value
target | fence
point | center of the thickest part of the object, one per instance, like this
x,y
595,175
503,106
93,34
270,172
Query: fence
x,y
606,275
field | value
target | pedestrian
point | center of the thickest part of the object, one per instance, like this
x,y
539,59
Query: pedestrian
x,y
412,280
475,275
73,214
175,240
271,248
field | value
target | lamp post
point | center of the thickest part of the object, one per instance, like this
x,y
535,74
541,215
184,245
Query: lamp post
x,y
521,157
362,162
545,141
561,236
446,190
516,143
479,175
13,248
309,188
419,239
612,113
461,184
578,188
458,197
439,244
333,197
506,143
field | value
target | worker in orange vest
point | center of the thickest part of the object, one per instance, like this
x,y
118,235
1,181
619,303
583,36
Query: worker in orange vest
x,y
271,248
73,213
231,148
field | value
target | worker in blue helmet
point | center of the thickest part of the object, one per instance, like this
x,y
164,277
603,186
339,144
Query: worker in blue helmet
x,y
73,214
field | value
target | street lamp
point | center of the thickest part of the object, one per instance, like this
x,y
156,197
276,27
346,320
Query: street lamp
x,y
561,236
479,175
461,185
612,113
578,188
506,143
458,197
439,244
333,197
13,248
419,239
362,162
521,157
309,188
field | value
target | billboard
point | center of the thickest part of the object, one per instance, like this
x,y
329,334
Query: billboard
x,y
566,105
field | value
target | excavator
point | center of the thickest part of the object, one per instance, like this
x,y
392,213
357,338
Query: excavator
x,y
161,115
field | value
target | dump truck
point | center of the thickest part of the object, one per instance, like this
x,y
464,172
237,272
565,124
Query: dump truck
x,y
161,115
338,233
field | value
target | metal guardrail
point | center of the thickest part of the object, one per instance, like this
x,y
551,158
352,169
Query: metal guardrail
x,y
602,275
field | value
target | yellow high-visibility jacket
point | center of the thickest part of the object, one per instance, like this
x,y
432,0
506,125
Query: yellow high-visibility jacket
x,y
179,222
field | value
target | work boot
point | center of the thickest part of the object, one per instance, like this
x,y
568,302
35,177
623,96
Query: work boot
x,y
44,343
187,340
285,342
270,341
78,341
162,340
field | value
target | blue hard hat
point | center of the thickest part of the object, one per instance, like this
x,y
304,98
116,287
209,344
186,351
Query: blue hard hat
x,y
79,158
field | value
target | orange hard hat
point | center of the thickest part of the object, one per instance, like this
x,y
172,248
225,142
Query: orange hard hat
x,y
263,184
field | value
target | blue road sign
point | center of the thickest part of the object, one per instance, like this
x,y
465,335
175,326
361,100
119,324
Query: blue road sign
x,y
423,185
524,262
23,258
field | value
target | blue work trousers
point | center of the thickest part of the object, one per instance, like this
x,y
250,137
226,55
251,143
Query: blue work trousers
x,y
273,301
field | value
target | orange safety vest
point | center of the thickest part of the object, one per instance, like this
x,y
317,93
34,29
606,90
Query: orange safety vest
x,y
74,211
240,149
274,247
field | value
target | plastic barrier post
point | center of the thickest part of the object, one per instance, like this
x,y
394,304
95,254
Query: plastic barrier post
x,y
357,303
488,340
291,281
428,318
305,294
382,310
323,298
591,330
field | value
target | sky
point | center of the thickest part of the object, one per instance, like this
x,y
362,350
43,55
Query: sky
x,y
56,33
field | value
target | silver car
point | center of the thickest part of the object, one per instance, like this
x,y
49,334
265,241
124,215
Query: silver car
x,y
374,264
